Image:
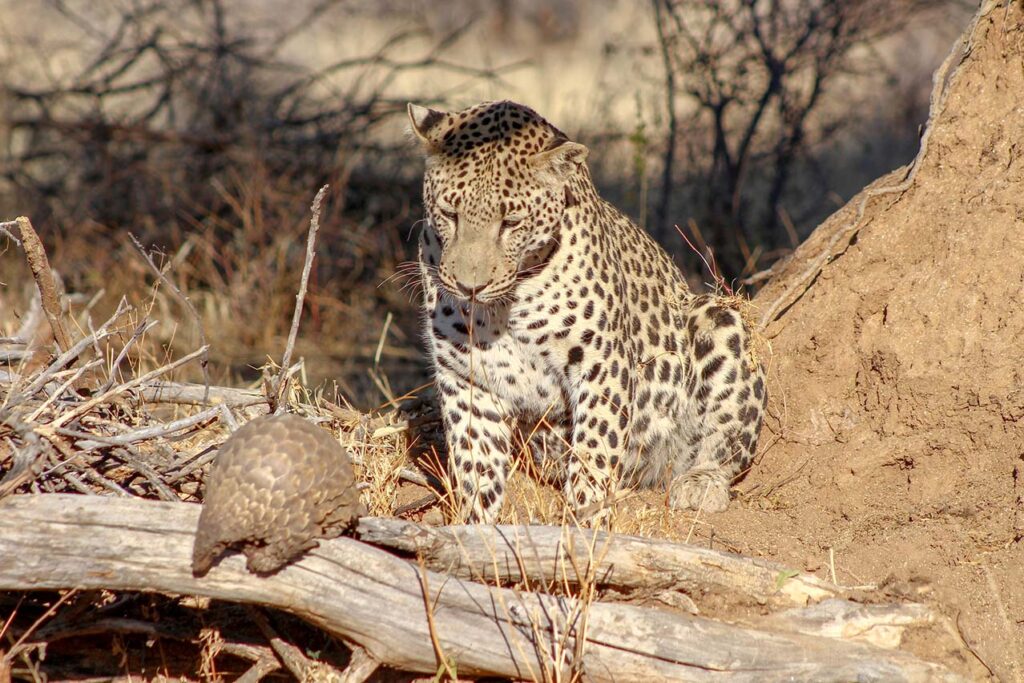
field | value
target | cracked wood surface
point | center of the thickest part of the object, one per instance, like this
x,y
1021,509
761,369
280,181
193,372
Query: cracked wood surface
x,y
374,599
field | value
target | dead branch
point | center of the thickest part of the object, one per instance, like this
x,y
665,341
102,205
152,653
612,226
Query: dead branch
x,y
161,275
47,429
91,441
71,354
550,555
64,418
185,393
280,385
264,661
360,667
881,625
370,597
140,330
301,666
40,266
27,462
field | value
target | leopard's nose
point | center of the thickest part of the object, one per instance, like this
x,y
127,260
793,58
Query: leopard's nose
x,y
471,290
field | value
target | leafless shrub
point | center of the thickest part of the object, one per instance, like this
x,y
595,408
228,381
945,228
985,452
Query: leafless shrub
x,y
744,81
174,99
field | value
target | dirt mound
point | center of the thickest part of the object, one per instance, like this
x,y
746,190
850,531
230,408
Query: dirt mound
x,y
896,438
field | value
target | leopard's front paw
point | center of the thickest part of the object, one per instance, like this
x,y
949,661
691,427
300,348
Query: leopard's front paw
x,y
706,490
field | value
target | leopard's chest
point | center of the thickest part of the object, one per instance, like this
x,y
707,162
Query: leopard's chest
x,y
489,348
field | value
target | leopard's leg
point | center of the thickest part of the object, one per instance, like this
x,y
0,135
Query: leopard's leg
x,y
479,442
548,446
601,400
727,393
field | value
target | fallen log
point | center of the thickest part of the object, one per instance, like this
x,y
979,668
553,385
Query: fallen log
x,y
548,555
377,600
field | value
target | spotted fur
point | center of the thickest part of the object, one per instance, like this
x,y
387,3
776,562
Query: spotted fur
x,y
541,300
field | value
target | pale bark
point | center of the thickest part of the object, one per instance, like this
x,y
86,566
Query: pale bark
x,y
557,555
374,599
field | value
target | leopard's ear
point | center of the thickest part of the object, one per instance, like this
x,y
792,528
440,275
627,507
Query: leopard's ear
x,y
423,123
562,158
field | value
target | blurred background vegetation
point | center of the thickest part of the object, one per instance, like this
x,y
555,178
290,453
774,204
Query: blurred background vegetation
x,y
205,127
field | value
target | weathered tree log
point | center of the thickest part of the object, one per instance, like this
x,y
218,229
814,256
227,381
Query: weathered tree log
x,y
556,555
375,599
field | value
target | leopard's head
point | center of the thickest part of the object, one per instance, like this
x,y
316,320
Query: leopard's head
x,y
496,186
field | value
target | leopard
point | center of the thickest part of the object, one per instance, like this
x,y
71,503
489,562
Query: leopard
x,y
544,304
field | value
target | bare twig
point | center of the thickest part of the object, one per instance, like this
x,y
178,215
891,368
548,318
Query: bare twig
x,y
280,384
6,659
184,393
301,666
228,417
443,663
5,229
361,666
133,459
202,457
13,357
161,275
69,356
417,504
28,461
263,658
121,388
35,254
91,441
140,330
59,391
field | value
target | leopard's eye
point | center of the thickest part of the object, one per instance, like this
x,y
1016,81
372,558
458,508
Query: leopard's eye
x,y
449,215
509,222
